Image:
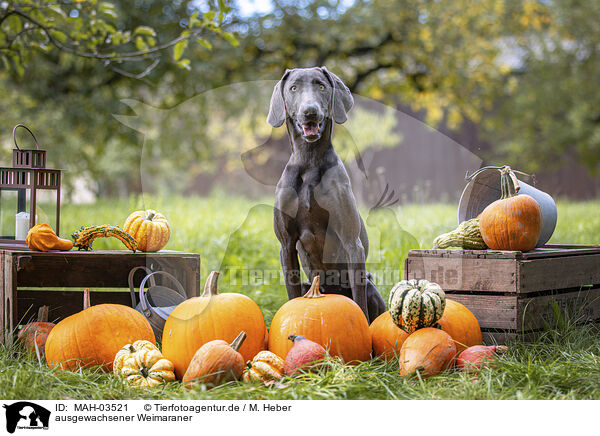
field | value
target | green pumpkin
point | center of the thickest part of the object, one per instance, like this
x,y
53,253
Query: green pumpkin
x,y
416,304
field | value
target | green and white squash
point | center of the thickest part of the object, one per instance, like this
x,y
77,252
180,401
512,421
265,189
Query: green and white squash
x,y
416,304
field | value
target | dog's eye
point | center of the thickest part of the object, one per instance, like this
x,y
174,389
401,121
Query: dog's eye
x,y
322,87
293,88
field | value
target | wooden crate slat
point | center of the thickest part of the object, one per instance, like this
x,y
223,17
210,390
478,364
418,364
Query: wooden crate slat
x,y
543,252
465,274
63,303
39,270
8,303
558,273
538,312
492,312
3,319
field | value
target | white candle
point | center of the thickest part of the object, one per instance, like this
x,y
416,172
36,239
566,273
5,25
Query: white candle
x,y
21,226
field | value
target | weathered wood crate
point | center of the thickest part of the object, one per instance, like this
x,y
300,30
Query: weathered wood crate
x,y
514,294
29,280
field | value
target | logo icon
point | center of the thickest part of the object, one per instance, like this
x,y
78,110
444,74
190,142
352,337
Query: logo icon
x,y
26,415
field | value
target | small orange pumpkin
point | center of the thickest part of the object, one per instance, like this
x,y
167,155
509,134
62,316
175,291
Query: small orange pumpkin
x,y
515,221
42,237
387,337
95,335
149,228
212,316
216,362
334,321
428,351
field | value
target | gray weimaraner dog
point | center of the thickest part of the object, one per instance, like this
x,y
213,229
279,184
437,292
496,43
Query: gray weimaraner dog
x,y
315,212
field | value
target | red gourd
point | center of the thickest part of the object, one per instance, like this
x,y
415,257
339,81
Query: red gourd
x,y
36,333
303,354
478,356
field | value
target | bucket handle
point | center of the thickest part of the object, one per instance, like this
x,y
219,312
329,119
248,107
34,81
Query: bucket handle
x,y
130,281
468,177
143,299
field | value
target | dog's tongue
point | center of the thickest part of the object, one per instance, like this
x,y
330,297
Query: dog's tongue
x,y
310,129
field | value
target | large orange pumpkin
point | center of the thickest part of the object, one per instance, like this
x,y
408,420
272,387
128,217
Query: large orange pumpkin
x,y
333,321
149,228
515,221
460,323
387,337
209,317
95,335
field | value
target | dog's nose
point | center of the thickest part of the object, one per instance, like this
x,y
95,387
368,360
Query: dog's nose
x,y
310,110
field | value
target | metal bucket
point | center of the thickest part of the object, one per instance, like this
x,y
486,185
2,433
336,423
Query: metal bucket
x,y
484,188
159,301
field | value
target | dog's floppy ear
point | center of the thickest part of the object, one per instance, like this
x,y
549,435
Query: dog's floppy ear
x,y
342,98
277,114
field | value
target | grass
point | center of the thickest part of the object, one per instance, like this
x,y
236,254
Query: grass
x,y
234,233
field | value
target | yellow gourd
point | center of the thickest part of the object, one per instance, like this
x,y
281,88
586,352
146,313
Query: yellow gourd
x,y
265,366
142,364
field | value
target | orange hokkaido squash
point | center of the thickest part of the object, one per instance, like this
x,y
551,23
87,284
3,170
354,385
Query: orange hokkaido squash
x,y
334,321
216,362
209,317
387,337
95,335
460,323
428,351
515,221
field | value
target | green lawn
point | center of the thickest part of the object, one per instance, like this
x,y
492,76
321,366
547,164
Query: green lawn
x,y
234,234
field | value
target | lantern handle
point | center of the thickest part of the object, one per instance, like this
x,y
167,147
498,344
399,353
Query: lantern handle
x,y
29,130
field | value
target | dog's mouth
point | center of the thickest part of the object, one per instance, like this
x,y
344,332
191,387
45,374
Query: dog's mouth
x,y
310,129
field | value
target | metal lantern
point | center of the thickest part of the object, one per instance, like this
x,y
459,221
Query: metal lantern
x,y
27,176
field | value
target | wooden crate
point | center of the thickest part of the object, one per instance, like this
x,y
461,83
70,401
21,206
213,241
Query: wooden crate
x,y
30,278
514,294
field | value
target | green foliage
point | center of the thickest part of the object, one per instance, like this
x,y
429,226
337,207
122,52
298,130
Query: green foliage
x,y
552,101
91,29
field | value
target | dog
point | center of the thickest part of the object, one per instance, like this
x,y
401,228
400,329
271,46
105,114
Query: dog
x,y
315,215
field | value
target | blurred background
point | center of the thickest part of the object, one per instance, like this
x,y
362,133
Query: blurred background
x,y
441,88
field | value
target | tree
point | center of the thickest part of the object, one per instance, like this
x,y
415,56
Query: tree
x,y
96,30
552,103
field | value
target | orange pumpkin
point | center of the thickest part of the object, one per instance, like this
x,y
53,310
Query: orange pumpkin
x,y
460,323
209,317
149,228
42,237
333,321
387,337
428,351
95,335
216,362
515,221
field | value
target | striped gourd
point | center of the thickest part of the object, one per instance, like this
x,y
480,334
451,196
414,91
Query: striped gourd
x,y
265,366
467,236
416,304
85,236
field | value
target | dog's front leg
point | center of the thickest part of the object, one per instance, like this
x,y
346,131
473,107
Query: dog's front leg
x,y
357,274
291,269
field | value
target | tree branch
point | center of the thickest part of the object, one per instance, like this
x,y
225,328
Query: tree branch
x,y
136,56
